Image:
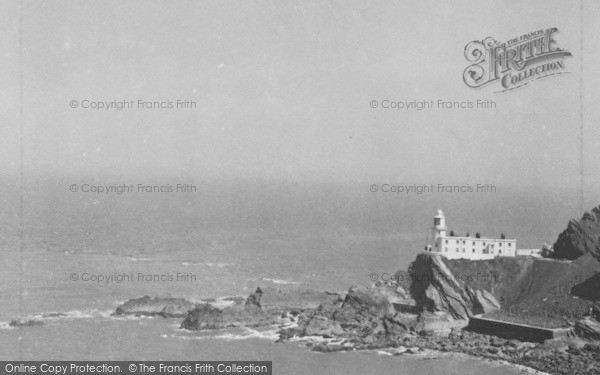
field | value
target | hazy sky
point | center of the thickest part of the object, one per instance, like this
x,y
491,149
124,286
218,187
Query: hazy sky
x,y
283,91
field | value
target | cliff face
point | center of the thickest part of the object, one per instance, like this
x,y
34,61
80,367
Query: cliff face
x,y
541,287
460,288
443,301
508,279
435,289
582,236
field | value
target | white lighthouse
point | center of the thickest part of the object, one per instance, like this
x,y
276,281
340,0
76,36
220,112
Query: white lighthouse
x,y
439,226
467,247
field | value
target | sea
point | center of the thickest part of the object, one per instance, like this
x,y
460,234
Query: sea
x,y
70,258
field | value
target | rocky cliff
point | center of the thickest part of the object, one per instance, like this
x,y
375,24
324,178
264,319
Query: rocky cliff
x,y
443,301
447,293
582,236
534,287
435,289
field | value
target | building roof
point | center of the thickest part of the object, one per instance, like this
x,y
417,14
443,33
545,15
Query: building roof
x,y
481,238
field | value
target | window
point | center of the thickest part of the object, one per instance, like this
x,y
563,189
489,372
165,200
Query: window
x,y
484,244
473,243
446,241
509,244
500,251
473,250
446,249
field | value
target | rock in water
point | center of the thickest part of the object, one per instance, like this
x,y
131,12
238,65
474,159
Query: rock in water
x,y
254,298
166,307
365,317
362,302
204,317
293,299
322,326
581,236
249,313
25,323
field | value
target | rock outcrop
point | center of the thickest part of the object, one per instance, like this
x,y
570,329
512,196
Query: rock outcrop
x,y
322,326
368,316
394,291
363,303
250,313
147,306
253,300
435,289
588,328
443,302
205,316
25,323
581,236
365,316
594,312
274,299
482,301
588,289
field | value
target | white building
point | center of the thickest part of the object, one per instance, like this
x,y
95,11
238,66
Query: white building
x,y
473,248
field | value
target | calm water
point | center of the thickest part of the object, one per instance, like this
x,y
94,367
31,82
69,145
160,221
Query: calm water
x,y
231,241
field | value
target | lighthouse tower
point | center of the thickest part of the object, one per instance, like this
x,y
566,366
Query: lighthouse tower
x,y
439,226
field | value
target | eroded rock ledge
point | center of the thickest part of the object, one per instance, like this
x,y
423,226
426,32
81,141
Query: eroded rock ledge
x,y
249,313
147,306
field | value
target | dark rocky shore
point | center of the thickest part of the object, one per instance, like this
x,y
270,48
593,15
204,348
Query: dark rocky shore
x,y
365,319
429,306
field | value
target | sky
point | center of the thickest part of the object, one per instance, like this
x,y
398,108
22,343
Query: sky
x,y
283,92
